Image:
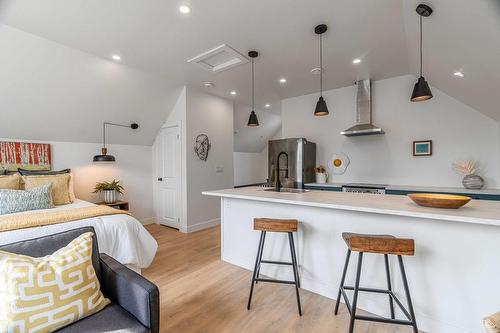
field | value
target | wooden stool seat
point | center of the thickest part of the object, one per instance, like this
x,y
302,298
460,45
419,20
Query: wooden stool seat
x,y
382,244
275,225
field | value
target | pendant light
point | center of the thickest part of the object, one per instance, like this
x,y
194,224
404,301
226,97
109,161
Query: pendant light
x,y
421,91
321,108
104,157
252,120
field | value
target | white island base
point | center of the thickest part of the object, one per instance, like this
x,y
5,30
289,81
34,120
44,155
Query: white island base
x,y
454,277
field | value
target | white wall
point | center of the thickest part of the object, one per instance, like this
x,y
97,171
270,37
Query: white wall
x,y
250,168
213,116
132,168
458,132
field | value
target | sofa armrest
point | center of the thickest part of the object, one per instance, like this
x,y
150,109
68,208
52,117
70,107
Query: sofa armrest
x,y
131,291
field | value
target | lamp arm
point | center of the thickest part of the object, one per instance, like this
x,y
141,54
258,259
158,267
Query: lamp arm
x,y
132,126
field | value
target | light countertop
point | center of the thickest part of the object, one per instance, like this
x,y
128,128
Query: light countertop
x,y
487,191
475,212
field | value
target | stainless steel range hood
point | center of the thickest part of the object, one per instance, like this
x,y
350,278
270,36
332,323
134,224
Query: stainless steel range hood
x,y
364,124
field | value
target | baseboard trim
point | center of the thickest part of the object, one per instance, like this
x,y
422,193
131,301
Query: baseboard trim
x,y
200,226
148,220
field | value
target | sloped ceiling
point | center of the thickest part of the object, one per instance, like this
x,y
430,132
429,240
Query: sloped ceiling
x,y
253,139
154,39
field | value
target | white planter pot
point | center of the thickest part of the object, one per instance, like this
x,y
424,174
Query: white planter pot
x,y
109,196
321,178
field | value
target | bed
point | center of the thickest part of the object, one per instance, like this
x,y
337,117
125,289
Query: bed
x,y
121,236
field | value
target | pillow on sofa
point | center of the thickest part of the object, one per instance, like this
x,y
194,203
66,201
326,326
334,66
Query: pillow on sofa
x,y
12,201
44,294
11,182
25,172
60,186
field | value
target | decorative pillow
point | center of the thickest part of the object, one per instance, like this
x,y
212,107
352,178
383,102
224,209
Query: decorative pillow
x,y
11,182
12,201
60,186
44,294
25,172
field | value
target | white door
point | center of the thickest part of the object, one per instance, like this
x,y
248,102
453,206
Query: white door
x,y
169,177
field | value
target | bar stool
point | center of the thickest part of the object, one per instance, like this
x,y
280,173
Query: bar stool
x,y
275,225
378,244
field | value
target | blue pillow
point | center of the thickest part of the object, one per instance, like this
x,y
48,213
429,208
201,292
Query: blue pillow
x,y
13,201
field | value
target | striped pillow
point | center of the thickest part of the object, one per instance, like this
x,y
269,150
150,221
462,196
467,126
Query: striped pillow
x,y
12,201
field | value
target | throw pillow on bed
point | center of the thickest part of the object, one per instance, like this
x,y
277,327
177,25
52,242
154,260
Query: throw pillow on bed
x,y
72,196
44,294
60,186
13,201
11,182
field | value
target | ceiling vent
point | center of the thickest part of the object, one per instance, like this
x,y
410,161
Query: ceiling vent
x,y
219,59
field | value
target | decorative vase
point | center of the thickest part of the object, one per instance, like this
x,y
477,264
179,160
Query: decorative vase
x,y
109,196
473,182
321,177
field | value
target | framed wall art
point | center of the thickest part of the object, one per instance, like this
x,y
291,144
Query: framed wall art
x,y
30,156
422,148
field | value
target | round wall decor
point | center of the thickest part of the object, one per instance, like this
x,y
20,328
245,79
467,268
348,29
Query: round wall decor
x,y
338,163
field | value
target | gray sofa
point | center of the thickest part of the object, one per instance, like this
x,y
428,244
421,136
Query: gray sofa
x,y
135,305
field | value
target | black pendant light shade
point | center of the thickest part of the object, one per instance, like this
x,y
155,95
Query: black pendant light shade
x,y
252,120
321,108
104,157
421,91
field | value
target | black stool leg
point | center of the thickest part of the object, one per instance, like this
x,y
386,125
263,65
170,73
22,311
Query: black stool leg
x,y
294,256
407,292
260,257
295,270
257,265
356,289
342,281
389,287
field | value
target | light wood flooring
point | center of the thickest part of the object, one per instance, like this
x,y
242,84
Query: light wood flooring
x,y
201,293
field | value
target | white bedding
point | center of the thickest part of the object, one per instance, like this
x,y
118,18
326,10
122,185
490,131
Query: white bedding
x,y
120,236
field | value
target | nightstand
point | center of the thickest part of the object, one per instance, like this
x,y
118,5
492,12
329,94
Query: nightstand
x,y
122,205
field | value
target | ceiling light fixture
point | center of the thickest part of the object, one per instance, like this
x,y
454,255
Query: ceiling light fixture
x,y
421,91
184,9
282,80
252,120
233,92
356,61
321,108
459,74
267,105
208,84
104,157
116,57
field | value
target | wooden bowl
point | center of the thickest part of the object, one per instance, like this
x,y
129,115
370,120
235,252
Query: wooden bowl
x,y
436,200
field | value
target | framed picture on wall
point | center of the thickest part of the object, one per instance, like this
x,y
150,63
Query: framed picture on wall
x,y
422,148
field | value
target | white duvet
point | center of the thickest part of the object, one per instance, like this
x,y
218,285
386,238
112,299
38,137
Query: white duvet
x,y
120,236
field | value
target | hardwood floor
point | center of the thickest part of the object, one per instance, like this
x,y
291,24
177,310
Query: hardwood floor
x,y
201,293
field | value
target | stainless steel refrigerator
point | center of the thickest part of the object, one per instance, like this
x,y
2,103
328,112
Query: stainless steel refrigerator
x,y
301,161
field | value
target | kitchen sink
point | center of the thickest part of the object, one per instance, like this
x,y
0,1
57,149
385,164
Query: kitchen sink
x,y
287,190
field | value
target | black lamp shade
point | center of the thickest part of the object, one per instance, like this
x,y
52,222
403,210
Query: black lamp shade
x,y
421,91
104,158
321,108
252,120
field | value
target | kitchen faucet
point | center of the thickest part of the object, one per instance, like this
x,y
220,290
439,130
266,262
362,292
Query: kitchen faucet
x,y
278,183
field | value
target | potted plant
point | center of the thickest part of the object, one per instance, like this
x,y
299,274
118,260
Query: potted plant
x,y
321,175
468,169
110,190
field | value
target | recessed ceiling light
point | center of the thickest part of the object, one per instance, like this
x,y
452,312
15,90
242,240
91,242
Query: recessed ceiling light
x,y
116,57
185,9
356,61
267,105
282,80
233,92
208,84
459,74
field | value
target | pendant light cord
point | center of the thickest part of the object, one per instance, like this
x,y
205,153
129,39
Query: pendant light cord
x,y
253,87
321,64
104,135
421,53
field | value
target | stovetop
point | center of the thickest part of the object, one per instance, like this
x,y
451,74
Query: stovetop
x,y
365,185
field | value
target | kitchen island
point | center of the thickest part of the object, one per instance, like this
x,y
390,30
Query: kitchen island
x,y
453,275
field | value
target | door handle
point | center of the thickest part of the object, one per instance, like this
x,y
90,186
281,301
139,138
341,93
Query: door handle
x,y
160,179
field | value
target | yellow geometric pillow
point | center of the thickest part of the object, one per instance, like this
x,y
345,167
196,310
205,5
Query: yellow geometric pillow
x,y
44,294
60,186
